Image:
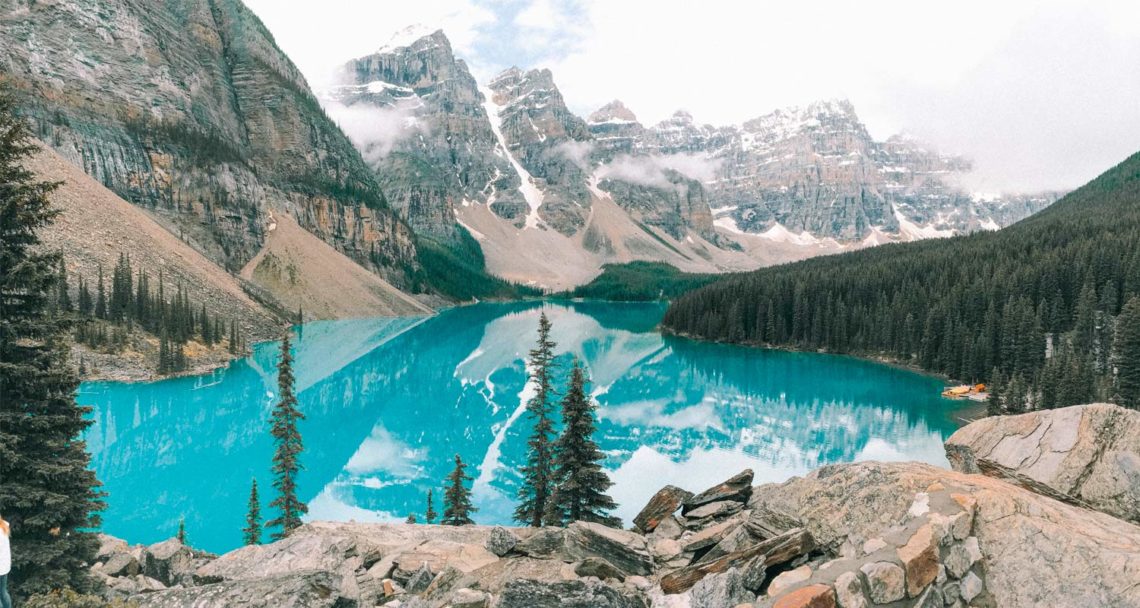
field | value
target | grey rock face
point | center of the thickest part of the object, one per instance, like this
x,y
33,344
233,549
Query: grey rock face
x,y
717,590
301,590
170,562
853,185
1087,454
419,580
535,594
546,138
435,147
500,542
599,568
190,110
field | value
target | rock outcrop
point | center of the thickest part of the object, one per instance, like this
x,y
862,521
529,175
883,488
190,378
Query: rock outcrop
x,y
849,536
191,111
417,115
1086,455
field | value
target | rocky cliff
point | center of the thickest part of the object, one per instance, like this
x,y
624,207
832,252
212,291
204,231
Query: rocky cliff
x,y
854,535
190,110
418,116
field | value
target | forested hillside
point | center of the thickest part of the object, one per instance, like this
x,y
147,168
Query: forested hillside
x,y
1035,308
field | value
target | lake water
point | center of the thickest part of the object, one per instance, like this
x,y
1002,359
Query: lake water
x,y
388,402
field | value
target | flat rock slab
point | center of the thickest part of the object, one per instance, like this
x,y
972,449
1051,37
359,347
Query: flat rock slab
x,y
1088,455
736,488
663,504
535,594
626,550
298,590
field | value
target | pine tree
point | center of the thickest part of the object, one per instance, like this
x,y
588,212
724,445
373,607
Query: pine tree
x,y
430,514
47,490
100,297
85,304
181,530
233,343
286,458
457,508
64,298
1127,357
538,472
580,494
251,533
993,402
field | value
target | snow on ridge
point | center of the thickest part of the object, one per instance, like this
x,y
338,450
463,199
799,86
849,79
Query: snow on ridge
x,y
780,234
914,232
533,195
728,223
407,37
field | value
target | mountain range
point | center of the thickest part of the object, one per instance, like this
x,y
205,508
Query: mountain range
x,y
515,168
410,169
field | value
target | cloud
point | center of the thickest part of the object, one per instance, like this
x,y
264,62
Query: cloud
x,y
650,170
578,152
375,131
321,35
383,453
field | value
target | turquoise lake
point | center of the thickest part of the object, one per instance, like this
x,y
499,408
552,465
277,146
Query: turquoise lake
x,y
388,402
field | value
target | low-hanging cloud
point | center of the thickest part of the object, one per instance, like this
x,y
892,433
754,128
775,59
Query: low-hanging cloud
x,y
650,170
577,152
374,130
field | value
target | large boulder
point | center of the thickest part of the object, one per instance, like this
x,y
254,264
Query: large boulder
x,y
170,562
663,504
626,550
718,590
500,541
1087,455
736,488
1031,550
297,590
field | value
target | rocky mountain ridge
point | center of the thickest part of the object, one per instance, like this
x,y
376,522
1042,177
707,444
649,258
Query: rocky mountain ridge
x,y
850,535
790,184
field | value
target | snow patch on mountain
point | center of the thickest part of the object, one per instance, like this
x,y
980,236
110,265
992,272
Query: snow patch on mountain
x,y
531,193
914,232
407,37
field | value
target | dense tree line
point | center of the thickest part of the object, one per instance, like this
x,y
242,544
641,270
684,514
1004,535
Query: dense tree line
x,y
108,313
640,282
1036,308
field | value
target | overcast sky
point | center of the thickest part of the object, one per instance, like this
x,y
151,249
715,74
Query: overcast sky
x,y
1040,93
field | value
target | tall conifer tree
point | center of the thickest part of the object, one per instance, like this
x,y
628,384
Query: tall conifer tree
x,y
251,533
457,508
47,490
286,457
580,493
430,514
538,471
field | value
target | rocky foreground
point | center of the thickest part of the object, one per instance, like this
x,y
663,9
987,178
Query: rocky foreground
x,y
1040,511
